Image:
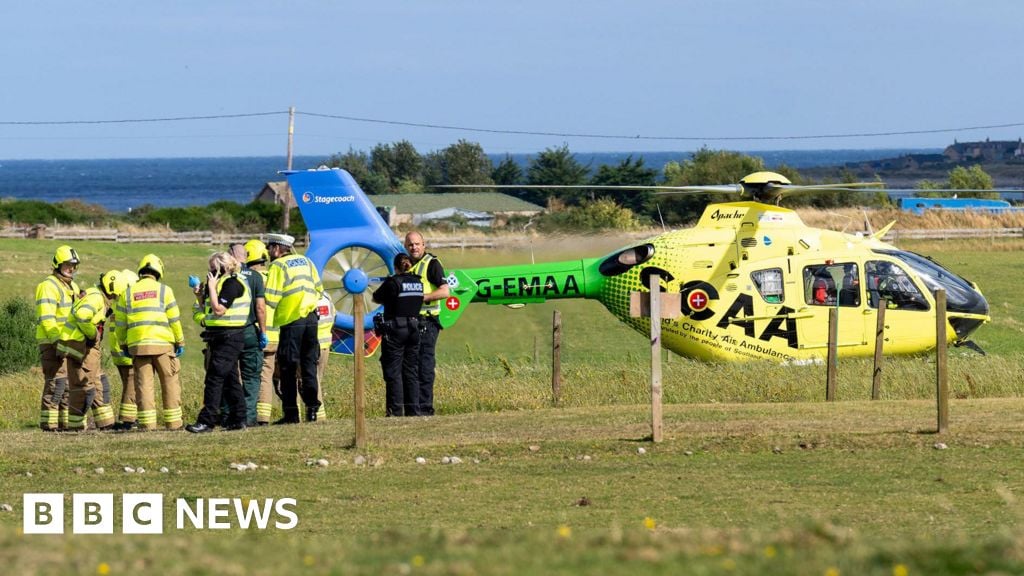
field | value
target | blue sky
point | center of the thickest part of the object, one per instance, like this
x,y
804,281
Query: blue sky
x,y
689,69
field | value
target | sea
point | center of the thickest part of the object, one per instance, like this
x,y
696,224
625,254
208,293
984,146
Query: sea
x,y
120,185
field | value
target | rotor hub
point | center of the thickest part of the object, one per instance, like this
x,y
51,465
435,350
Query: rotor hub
x,y
355,281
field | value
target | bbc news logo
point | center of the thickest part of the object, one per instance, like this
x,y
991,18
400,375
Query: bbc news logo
x,y
144,513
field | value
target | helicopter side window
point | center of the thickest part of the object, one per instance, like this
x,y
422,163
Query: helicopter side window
x,y
819,286
849,294
769,284
887,280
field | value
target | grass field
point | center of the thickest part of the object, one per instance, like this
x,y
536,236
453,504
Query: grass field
x,y
757,474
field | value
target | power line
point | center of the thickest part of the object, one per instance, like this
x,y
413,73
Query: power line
x,y
679,138
136,120
516,132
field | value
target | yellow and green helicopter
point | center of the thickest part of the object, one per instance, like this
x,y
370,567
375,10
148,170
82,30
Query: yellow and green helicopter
x,y
754,281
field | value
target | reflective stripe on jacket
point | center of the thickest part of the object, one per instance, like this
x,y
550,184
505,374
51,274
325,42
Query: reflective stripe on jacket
x,y
273,332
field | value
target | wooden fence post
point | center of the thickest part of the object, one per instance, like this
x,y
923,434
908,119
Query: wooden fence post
x,y
655,295
358,390
941,382
833,353
556,357
876,374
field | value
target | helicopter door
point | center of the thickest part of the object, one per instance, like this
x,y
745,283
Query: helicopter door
x,y
909,320
832,285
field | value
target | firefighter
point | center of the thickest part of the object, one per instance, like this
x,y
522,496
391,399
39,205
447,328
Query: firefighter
x,y
224,316
54,298
402,297
325,324
80,342
435,290
128,412
149,324
256,258
293,289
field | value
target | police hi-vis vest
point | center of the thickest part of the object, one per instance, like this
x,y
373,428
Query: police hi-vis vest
x,y
87,313
236,316
420,269
293,288
325,321
273,332
53,304
147,315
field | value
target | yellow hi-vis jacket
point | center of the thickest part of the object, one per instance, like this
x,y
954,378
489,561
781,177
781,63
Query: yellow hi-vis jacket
x,y
420,269
273,332
87,313
147,317
237,314
117,356
293,288
325,321
53,304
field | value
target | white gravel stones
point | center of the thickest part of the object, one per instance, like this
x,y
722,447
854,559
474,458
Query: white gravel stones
x,y
421,460
129,470
6,508
323,463
359,460
99,470
164,470
243,467
641,450
940,446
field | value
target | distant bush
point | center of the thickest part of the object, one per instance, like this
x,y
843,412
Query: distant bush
x,y
221,216
39,212
603,214
18,350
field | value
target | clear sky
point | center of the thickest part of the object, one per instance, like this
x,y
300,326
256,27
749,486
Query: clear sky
x,y
700,71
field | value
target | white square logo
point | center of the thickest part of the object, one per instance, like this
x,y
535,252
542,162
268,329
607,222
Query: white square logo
x,y
43,514
92,514
142,514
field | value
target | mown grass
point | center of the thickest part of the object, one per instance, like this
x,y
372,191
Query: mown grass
x,y
757,474
782,488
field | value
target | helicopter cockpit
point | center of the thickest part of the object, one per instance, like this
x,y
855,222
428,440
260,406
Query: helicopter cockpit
x,y
967,307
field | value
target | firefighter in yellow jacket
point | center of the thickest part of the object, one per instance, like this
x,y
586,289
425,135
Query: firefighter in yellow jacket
x,y
80,343
128,412
293,289
256,259
149,324
54,298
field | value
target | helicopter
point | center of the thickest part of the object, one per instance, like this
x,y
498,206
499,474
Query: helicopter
x,y
755,282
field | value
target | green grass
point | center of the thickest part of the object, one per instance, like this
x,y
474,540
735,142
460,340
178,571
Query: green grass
x,y
757,475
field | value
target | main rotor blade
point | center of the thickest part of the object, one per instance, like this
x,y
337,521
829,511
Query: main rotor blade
x,y
725,188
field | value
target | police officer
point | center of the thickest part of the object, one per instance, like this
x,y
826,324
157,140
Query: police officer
x,y
293,288
149,324
80,341
224,316
54,297
250,363
435,292
402,297
129,410
256,258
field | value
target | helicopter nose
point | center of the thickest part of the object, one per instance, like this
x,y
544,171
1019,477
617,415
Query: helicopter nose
x,y
967,314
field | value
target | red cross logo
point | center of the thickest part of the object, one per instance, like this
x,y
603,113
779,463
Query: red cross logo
x,y
698,300
452,303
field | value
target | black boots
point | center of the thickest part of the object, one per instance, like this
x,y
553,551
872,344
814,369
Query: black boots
x,y
291,416
311,414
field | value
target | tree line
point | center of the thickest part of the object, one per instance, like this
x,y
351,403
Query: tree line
x,y
398,168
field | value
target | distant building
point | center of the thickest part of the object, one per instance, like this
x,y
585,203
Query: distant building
x,y
277,193
987,151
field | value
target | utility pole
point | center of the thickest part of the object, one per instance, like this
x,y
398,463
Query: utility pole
x,y
287,220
